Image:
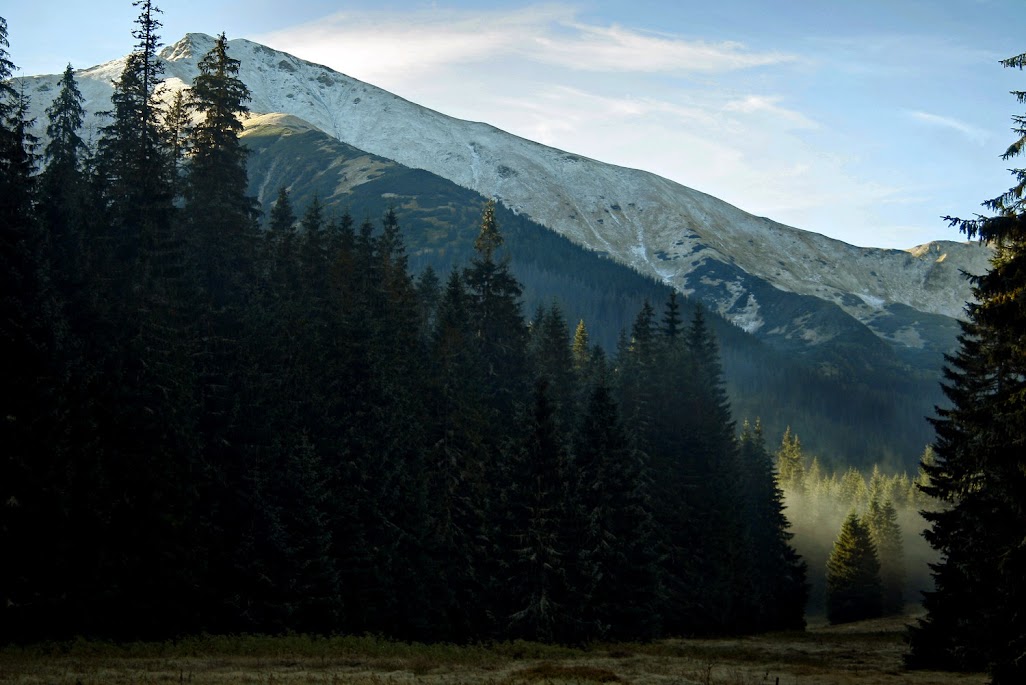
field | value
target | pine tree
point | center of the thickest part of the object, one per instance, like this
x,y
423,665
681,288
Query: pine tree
x,y
220,214
854,590
580,349
62,182
178,127
637,367
713,476
132,153
222,237
500,331
616,576
853,490
791,462
773,588
429,294
457,461
536,584
552,359
672,323
976,616
882,521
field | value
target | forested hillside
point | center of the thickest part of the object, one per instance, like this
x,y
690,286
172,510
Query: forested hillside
x,y
855,401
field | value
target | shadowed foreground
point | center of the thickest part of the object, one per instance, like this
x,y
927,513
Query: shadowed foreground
x,y
868,652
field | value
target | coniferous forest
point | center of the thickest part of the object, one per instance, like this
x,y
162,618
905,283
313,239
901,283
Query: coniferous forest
x,y
215,421
220,422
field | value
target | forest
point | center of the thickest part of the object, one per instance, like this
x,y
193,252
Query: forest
x,y
216,423
223,426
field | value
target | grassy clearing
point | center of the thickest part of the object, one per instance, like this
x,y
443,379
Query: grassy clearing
x,y
866,653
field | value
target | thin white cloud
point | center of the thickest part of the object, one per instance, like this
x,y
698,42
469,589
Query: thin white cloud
x,y
368,45
767,105
614,48
973,133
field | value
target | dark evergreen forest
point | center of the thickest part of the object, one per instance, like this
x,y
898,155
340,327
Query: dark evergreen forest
x,y
216,423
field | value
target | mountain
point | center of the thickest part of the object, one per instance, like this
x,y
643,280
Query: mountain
x,y
867,410
856,315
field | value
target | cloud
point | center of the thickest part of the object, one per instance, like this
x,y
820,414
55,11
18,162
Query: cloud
x,y
767,105
369,45
614,48
973,133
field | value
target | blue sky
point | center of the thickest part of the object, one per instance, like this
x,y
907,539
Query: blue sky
x,y
863,120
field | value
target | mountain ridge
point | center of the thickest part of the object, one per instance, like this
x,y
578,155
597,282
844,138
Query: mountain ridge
x,y
700,245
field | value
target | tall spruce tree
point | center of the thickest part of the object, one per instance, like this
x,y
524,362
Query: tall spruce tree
x,y
539,600
132,154
62,182
976,615
499,327
714,478
773,588
616,576
457,471
220,214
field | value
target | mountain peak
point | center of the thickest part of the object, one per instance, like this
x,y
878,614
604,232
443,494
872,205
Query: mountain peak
x,y
191,47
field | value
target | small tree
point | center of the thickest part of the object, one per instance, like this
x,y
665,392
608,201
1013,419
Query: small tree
x,y
581,349
791,462
854,589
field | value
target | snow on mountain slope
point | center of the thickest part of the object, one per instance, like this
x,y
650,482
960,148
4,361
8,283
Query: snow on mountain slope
x,y
656,226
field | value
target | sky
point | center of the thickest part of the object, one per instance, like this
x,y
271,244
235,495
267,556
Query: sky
x,y
863,120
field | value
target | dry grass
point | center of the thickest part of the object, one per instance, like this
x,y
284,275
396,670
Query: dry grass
x,y
866,653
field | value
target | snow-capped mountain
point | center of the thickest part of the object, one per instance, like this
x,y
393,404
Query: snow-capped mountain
x,y
737,263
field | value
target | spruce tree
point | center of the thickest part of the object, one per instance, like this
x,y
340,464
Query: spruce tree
x,y
220,215
773,587
636,370
539,604
429,293
616,576
500,333
457,471
854,590
177,128
133,156
714,476
62,182
552,359
581,349
791,462
882,521
976,615
672,323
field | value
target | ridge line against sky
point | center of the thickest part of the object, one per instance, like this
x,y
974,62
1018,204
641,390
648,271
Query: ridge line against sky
x,y
865,121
